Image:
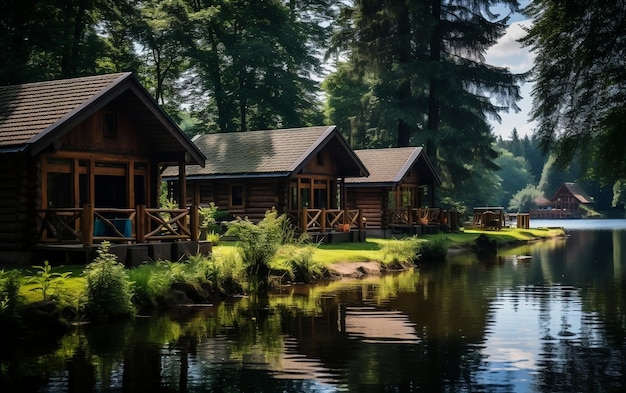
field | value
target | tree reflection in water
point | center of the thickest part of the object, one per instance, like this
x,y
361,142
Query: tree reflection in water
x,y
544,317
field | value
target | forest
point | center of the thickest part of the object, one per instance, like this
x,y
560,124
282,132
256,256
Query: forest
x,y
387,73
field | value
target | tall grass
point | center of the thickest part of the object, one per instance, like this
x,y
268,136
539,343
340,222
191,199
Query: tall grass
x,y
259,244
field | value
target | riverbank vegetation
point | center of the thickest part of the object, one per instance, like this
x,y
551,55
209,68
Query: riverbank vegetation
x,y
106,290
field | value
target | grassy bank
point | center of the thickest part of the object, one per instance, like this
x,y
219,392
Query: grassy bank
x,y
203,279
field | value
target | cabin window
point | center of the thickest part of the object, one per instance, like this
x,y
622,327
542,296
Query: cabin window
x,y
59,190
109,125
236,195
401,198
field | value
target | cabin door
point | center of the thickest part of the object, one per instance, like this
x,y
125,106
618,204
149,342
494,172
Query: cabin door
x,y
312,193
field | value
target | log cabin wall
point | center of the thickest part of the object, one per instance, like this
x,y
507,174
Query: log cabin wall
x,y
371,201
258,196
19,199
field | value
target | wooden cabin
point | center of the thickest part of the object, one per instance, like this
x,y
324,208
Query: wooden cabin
x,y
297,171
81,160
399,194
565,203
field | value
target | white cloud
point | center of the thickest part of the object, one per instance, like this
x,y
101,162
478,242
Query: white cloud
x,y
509,53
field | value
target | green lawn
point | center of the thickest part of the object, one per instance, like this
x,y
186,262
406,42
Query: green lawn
x,y
373,249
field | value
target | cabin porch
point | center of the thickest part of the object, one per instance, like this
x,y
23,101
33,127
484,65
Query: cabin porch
x,y
330,225
416,221
72,235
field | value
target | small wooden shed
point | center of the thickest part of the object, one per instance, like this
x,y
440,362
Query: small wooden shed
x,y
298,171
78,154
400,191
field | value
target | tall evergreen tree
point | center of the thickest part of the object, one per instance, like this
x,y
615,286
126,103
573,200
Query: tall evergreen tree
x,y
580,81
431,86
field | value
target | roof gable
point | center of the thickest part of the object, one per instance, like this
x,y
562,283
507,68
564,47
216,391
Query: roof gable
x,y
34,115
271,152
575,190
391,165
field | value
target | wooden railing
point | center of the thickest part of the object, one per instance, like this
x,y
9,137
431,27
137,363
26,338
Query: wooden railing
x,y
415,216
88,225
314,220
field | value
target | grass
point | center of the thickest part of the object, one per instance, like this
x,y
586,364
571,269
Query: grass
x,y
373,249
505,236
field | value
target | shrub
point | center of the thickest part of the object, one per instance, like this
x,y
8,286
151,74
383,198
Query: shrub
x,y
259,243
210,215
10,284
434,249
109,290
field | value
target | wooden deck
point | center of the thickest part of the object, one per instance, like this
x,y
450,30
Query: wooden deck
x,y
130,255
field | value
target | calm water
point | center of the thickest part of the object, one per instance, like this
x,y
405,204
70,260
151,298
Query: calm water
x,y
547,317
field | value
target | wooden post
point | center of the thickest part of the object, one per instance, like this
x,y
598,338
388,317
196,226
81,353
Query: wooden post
x,y
140,224
323,221
360,218
409,212
182,186
194,211
86,224
303,222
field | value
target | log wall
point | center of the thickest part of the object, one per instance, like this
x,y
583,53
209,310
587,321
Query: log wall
x,y
259,196
19,201
371,201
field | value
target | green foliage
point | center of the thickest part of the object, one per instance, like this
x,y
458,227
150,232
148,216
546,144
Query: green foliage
x,y
259,242
578,99
298,261
150,284
434,249
524,199
418,72
109,291
214,238
210,215
402,251
46,280
514,174
10,284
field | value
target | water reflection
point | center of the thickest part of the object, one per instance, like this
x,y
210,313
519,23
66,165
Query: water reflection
x,y
544,317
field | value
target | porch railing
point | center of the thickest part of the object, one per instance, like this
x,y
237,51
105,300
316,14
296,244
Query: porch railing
x,y
88,225
321,220
415,216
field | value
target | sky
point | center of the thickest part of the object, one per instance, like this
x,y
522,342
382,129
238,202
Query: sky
x,y
509,53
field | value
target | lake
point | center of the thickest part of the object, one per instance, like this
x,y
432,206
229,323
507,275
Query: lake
x,y
544,317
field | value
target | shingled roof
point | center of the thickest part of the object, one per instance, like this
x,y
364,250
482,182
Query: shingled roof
x,y
576,191
270,153
34,115
389,166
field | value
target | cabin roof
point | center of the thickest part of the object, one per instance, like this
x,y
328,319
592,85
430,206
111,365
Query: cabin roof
x,y
575,190
390,166
34,115
270,153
